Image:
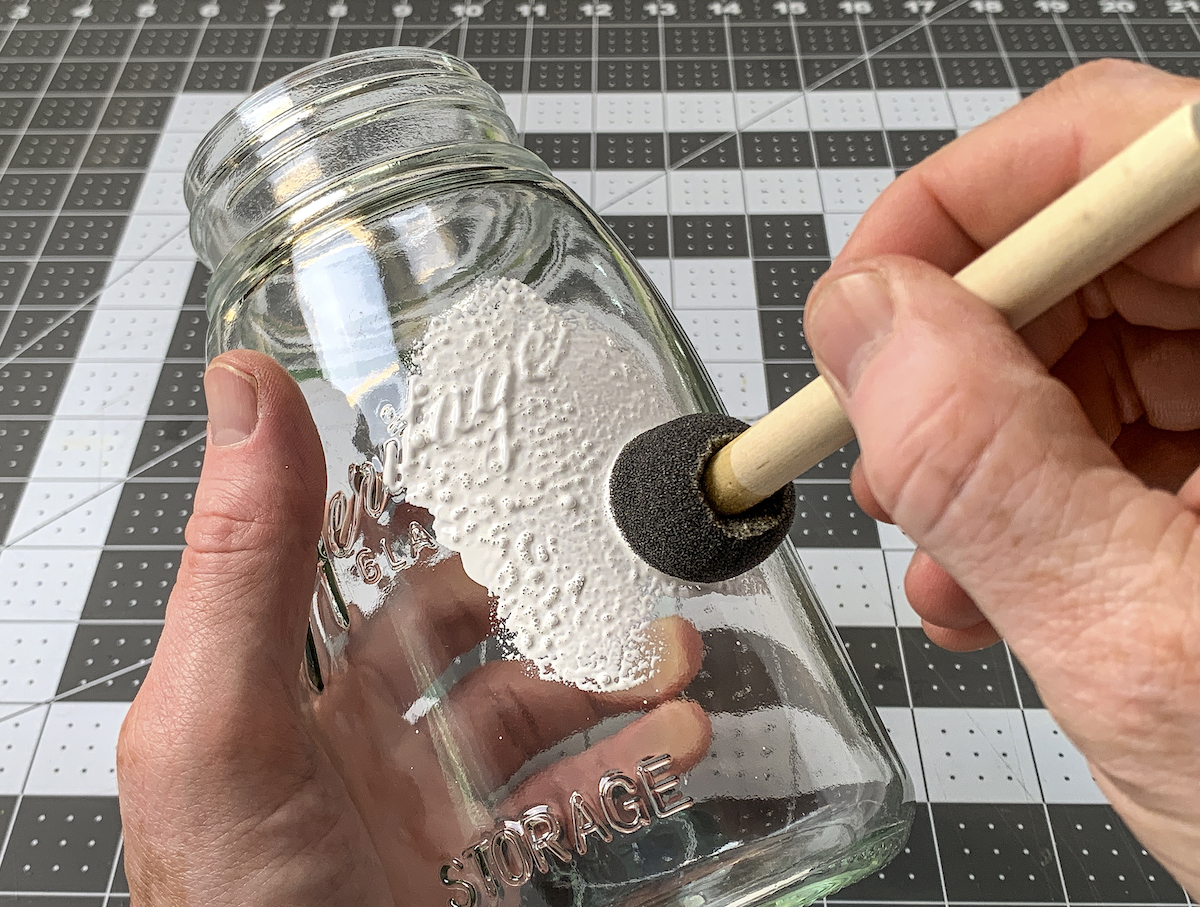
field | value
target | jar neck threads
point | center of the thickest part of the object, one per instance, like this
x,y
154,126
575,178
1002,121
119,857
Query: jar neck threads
x,y
311,142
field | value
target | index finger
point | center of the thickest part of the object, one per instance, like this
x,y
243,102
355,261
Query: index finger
x,y
978,189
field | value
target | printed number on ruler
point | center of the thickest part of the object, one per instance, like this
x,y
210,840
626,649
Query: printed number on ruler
x,y
855,7
731,8
1052,6
1183,7
1117,7
990,7
532,10
665,8
919,7
402,10
790,7
596,10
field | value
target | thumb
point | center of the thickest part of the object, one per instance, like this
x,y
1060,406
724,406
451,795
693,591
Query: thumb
x,y
987,461
236,620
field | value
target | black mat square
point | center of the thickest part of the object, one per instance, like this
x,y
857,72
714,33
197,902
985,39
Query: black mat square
x,y
152,75
715,236
92,75
1035,72
121,149
61,844
99,42
180,391
703,150
857,148
310,42
31,388
489,41
14,111
103,192
43,334
912,876
629,75
21,234
788,236
768,74
698,75
194,298
644,235
905,72
131,585
762,39
188,340
156,41
47,151
347,39
20,442
230,42
152,513
829,40
847,73
136,112
783,335
169,450
502,75
777,149
784,379
963,38
560,75
627,41
732,677
13,275
23,192
1181,66
875,654
785,282
629,151
35,42
1032,38
65,284
910,147
827,516
975,72
562,151
896,39
1103,862
58,112
219,75
1098,37
101,662
90,235
21,76
959,679
694,41
1165,38
559,42
997,852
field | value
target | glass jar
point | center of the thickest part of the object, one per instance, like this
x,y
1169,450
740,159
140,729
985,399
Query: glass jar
x,y
521,709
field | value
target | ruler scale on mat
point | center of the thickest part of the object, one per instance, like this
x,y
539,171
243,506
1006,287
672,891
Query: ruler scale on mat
x,y
732,144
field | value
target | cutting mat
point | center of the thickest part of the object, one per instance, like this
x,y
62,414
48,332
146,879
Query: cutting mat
x,y
733,144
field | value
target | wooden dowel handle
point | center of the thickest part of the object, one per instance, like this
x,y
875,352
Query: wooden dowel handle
x,y
1131,199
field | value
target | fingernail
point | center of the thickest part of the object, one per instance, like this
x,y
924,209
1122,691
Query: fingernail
x,y
848,322
232,404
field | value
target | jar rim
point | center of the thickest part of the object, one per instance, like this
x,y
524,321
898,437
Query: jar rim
x,y
265,106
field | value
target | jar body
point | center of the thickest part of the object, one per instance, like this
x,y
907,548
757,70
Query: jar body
x,y
521,710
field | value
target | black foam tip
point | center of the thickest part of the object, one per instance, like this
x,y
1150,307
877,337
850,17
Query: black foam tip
x,y
656,492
